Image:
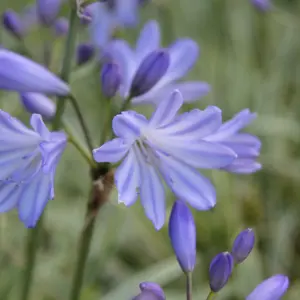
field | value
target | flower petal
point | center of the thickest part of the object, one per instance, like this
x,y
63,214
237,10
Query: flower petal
x,y
239,121
101,25
196,123
127,179
9,196
127,12
34,197
39,126
128,124
183,53
20,74
187,183
243,166
152,193
112,151
166,110
149,40
121,53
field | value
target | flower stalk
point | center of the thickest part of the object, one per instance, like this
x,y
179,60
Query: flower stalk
x,y
189,288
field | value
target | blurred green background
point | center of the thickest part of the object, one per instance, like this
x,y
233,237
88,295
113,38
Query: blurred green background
x,y
252,61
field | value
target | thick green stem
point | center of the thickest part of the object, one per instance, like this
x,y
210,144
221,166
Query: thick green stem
x,y
31,250
67,63
83,251
189,286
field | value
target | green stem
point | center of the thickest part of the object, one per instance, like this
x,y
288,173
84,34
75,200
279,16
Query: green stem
x,y
83,251
189,289
78,145
106,132
31,250
67,63
211,295
82,122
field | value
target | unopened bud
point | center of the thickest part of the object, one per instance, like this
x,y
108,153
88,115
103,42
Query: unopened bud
x,y
61,27
13,23
84,53
151,70
243,245
220,270
38,104
48,10
110,79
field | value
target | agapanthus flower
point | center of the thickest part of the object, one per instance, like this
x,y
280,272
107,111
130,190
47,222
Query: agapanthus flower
x,y
245,145
110,79
61,26
47,11
108,15
183,55
28,160
168,146
272,288
38,104
84,52
20,74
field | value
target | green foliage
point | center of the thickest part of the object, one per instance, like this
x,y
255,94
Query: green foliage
x,y
251,60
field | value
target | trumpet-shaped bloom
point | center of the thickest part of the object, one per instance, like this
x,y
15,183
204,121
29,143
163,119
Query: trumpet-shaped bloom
x,y
109,15
167,146
272,288
20,74
28,160
38,104
245,145
183,55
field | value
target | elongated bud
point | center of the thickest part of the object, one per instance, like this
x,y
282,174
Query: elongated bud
x,y
38,104
272,288
61,27
182,232
262,5
48,10
220,270
110,79
243,245
151,70
13,23
20,74
84,53
150,291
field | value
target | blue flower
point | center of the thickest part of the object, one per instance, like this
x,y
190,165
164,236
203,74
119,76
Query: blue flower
x,y
61,26
12,22
28,160
84,53
183,55
47,11
20,74
109,15
168,146
182,232
272,288
245,145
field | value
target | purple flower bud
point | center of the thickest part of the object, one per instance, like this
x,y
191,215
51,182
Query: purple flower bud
x,y
262,5
110,79
84,53
150,291
13,23
86,15
272,288
150,71
20,74
220,270
243,245
182,232
61,26
38,104
48,10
